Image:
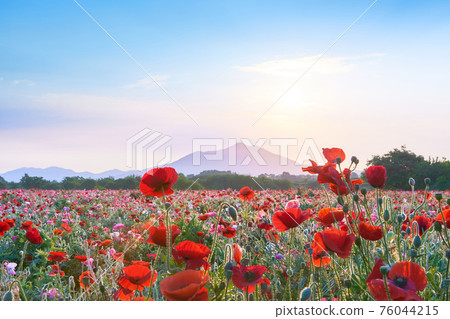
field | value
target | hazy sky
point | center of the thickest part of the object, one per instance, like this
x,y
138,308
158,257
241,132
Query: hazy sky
x,y
70,97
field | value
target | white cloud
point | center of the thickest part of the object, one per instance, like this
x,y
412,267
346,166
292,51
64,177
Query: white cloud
x,y
148,83
25,82
296,66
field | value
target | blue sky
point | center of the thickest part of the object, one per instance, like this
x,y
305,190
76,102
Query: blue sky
x,y
70,97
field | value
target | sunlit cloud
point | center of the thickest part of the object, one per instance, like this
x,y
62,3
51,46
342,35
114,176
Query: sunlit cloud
x,y
24,82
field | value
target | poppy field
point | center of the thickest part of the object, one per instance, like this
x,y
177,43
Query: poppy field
x,y
349,240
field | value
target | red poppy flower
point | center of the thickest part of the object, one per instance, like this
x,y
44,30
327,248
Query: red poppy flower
x,y
81,258
404,279
332,153
10,222
3,228
376,176
423,222
320,255
158,236
105,243
246,193
157,180
317,169
329,215
27,225
265,226
58,232
290,218
33,236
337,241
271,235
370,232
193,254
66,227
446,213
237,253
246,278
136,277
56,271
87,278
186,285
57,256
228,232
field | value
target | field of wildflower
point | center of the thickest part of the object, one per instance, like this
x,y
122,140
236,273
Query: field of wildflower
x,y
346,241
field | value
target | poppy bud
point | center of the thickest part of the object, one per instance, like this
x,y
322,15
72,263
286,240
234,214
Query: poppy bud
x,y
345,208
340,200
232,212
307,246
245,261
438,196
386,215
427,181
338,160
413,253
437,227
251,297
400,218
310,251
380,202
384,269
354,159
305,294
8,296
417,241
347,283
356,187
221,286
358,241
355,197
363,191
412,182
168,205
447,254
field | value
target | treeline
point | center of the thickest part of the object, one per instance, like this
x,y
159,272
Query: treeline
x,y
401,164
206,180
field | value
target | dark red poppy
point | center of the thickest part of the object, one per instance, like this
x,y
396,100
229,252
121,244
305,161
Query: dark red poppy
x,y
87,278
290,218
265,226
404,279
376,176
423,222
446,214
56,271
33,236
158,180
246,193
4,227
194,255
158,235
57,256
331,154
337,241
370,232
81,258
186,285
228,232
328,215
136,277
246,278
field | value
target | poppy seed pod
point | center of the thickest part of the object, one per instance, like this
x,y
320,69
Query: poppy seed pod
x,y
437,227
384,269
413,253
232,212
355,197
345,208
447,254
305,294
354,159
438,196
417,242
340,200
386,215
363,191
8,296
356,187
427,181
338,160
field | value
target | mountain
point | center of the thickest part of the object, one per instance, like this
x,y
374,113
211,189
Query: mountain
x,y
58,173
239,158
